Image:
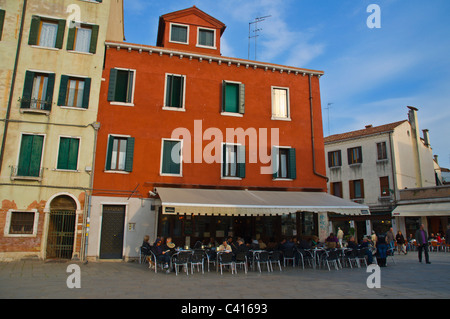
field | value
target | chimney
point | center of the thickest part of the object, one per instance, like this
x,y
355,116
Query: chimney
x,y
414,122
369,126
436,159
426,137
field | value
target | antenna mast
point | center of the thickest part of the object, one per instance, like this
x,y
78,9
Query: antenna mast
x,y
256,30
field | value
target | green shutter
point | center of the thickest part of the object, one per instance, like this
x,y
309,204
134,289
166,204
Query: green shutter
x,y
241,98
72,161
231,97
2,21
224,90
112,85
121,87
27,90
241,161
86,93
94,39
109,153
224,159
63,153
63,90
60,34
168,165
274,162
129,95
129,155
292,164
30,155
49,93
174,94
34,30
71,37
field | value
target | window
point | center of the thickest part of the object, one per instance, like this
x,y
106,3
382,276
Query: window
x,y
21,223
233,97
47,33
233,164
83,38
334,159
336,189
175,86
206,38
384,186
38,91
280,103
68,153
120,154
284,163
121,86
171,157
381,151
30,156
356,189
354,155
74,92
179,33
2,20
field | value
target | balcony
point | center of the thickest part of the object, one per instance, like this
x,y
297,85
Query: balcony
x,y
35,106
26,174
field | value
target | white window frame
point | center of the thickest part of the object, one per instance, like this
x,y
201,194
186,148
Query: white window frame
x,y
171,108
214,46
78,158
179,25
237,163
132,91
8,223
287,163
288,108
162,157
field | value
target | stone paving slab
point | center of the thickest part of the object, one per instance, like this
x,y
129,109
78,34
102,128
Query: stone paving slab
x,y
406,279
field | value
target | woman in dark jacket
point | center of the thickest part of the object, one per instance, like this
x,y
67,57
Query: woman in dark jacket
x,y
382,249
400,242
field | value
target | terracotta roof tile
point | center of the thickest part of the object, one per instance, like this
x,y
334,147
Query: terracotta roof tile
x,y
364,132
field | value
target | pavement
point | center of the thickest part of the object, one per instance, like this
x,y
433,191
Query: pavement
x,y
404,279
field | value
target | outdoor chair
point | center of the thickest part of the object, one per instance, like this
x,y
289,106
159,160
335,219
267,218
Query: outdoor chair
x,y
390,253
241,260
226,259
182,258
361,256
143,254
306,256
154,262
275,258
332,256
289,255
263,257
198,259
211,257
350,257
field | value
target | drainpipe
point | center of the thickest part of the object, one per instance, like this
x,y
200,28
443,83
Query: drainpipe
x,y
13,82
312,132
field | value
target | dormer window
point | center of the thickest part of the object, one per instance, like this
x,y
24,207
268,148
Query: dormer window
x,y
179,33
206,38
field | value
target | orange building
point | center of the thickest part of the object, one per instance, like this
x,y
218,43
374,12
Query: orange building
x,y
195,145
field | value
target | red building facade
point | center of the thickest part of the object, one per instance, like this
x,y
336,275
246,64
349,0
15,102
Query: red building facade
x,y
181,116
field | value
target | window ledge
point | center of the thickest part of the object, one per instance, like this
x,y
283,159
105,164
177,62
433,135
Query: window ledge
x,y
171,108
281,118
234,178
35,111
121,103
80,52
45,48
116,172
73,108
355,165
232,114
172,175
282,179
27,178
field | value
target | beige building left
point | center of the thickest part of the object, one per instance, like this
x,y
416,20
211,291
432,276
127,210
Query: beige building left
x,y
51,60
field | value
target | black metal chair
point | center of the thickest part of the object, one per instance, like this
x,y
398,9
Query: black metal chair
x,y
241,260
289,255
361,256
275,258
198,259
226,259
182,258
332,256
262,257
350,257
154,262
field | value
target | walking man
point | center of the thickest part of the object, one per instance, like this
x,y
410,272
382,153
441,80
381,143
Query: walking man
x,y
422,243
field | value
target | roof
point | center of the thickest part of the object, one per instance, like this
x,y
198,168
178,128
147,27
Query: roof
x,y
369,130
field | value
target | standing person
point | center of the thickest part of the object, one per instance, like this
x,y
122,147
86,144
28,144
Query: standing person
x,y
422,243
390,239
400,243
382,249
340,237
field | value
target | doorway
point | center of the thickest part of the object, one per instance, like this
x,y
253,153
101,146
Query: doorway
x,y
61,229
112,234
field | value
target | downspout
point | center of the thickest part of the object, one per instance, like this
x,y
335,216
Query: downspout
x,y
13,82
312,132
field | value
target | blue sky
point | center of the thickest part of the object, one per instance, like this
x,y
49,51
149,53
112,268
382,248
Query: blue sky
x,y
371,75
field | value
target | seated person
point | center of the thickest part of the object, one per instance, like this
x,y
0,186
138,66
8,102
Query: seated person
x,y
169,246
352,243
366,244
225,247
146,247
331,241
161,254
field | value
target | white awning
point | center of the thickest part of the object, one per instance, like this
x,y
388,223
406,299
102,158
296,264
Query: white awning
x,y
430,209
247,202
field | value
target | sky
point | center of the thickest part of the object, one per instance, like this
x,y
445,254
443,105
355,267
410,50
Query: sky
x,y
371,74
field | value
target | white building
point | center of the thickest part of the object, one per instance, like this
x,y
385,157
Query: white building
x,y
371,166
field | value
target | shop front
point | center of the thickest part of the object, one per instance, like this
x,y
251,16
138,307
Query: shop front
x,y
192,215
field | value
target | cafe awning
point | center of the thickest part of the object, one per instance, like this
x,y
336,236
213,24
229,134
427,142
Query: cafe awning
x,y
426,209
249,202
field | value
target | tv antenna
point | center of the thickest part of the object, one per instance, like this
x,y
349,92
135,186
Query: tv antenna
x,y
256,31
328,116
